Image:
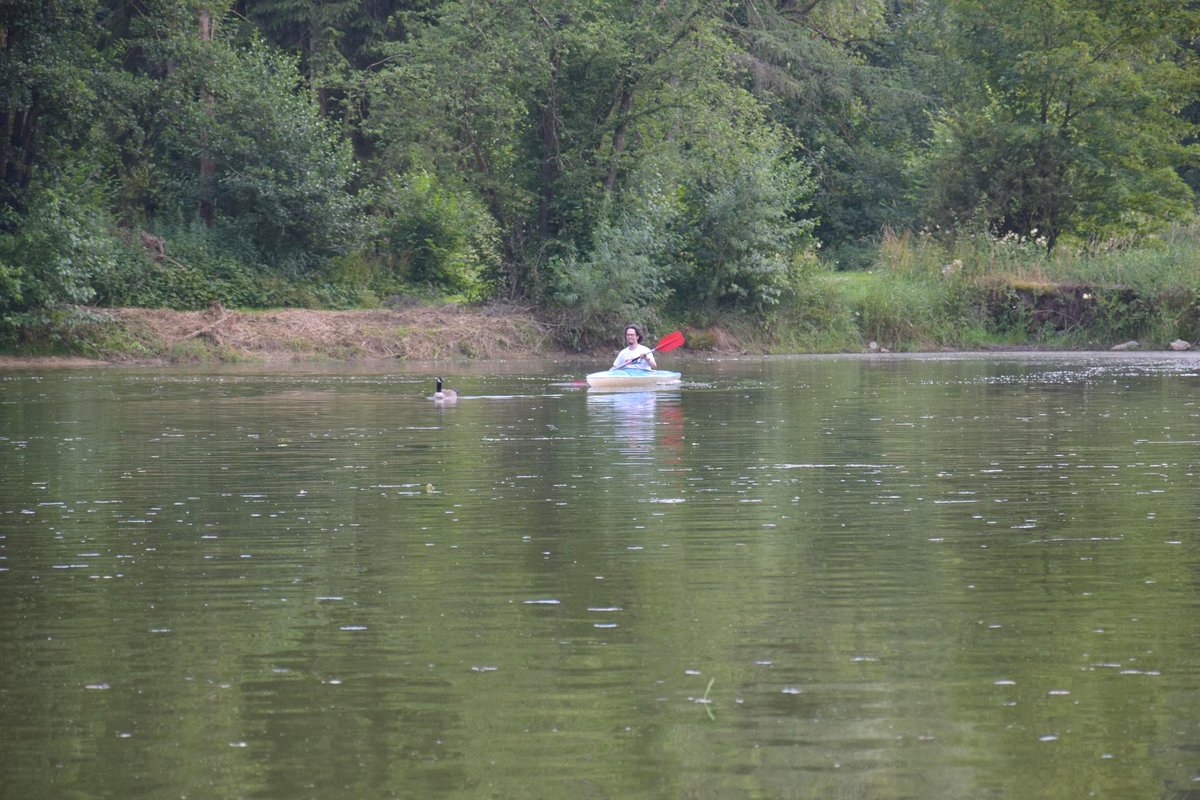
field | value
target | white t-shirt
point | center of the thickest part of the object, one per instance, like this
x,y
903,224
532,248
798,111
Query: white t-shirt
x,y
632,352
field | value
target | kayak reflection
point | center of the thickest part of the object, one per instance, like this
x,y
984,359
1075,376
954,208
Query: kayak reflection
x,y
639,419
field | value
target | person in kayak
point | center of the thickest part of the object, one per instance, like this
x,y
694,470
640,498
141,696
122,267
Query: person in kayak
x,y
635,355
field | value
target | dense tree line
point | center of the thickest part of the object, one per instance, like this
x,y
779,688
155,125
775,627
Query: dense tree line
x,y
595,159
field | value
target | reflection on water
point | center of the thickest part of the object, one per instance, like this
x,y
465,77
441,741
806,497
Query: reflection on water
x,y
639,424
933,578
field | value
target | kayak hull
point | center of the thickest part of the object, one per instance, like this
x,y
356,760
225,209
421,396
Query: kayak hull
x,y
632,378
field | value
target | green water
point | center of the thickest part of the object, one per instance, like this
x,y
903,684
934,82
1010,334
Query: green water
x,y
791,578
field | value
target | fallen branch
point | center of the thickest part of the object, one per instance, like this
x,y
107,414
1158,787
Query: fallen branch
x,y
207,327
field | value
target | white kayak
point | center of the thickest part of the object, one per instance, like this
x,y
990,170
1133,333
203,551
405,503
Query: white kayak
x,y
632,378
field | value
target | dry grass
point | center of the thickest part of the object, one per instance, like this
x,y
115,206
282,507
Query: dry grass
x,y
297,334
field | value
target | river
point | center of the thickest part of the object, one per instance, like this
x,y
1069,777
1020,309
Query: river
x,y
815,577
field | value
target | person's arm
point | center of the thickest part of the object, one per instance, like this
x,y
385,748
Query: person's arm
x,y
631,355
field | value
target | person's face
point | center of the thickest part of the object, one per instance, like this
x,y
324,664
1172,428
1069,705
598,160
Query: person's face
x,y
630,336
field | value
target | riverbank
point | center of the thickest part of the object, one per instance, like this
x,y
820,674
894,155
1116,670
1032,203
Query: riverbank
x,y
133,336
863,317
218,334
144,336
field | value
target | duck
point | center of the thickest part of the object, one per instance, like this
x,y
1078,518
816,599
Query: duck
x,y
444,394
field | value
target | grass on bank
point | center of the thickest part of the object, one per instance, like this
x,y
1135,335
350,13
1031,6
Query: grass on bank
x,y
974,292
923,292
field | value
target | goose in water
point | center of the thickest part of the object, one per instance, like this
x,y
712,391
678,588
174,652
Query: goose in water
x,y
444,394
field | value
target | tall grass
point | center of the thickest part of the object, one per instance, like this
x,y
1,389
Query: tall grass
x,y
1167,261
926,291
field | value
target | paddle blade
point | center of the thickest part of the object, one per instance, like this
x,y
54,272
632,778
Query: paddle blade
x,y
670,342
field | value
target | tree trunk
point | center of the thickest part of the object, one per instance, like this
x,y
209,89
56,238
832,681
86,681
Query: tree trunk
x,y
207,167
18,148
619,134
550,169
322,91
9,120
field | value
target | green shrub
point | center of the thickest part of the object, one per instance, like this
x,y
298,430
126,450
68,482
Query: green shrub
x,y
737,227
432,234
191,279
52,254
621,280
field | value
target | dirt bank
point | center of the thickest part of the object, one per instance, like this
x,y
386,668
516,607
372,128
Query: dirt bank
x,y
140,335
27,362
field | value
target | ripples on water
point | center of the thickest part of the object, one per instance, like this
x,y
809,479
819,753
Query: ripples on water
x,y
806,578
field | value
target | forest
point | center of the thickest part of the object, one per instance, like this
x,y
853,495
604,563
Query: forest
x,y
913,172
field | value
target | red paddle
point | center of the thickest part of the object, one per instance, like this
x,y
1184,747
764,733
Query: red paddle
x,y
668,342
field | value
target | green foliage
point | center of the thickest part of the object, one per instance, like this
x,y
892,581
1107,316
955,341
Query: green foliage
x,y
714,227
224,132
561,117
189,286
740,225
1143,264
1009,290
280,175
622,277
61,330
49,63
1146,264
603,161
200,266
55,250
456,101
433,235
900,314
1072,124
816,318
845,77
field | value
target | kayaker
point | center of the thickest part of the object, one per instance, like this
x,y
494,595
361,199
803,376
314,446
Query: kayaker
x,y
635,355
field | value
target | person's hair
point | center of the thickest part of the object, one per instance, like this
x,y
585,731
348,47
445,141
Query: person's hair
x,y
636,328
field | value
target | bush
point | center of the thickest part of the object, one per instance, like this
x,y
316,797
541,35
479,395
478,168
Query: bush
x,y
282,174
738,227
195,266
434,235
817,317
52,254
621,279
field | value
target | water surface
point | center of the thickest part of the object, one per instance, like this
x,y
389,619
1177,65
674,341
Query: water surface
x,y
790,578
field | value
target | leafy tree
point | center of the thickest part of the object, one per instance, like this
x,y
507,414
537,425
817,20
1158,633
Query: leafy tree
x,y
569,119
730,200
283,173
435,235
840,75
336,43
151,116
56,236
53,252
621,277
48,103
452,102
1069,122
242,142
